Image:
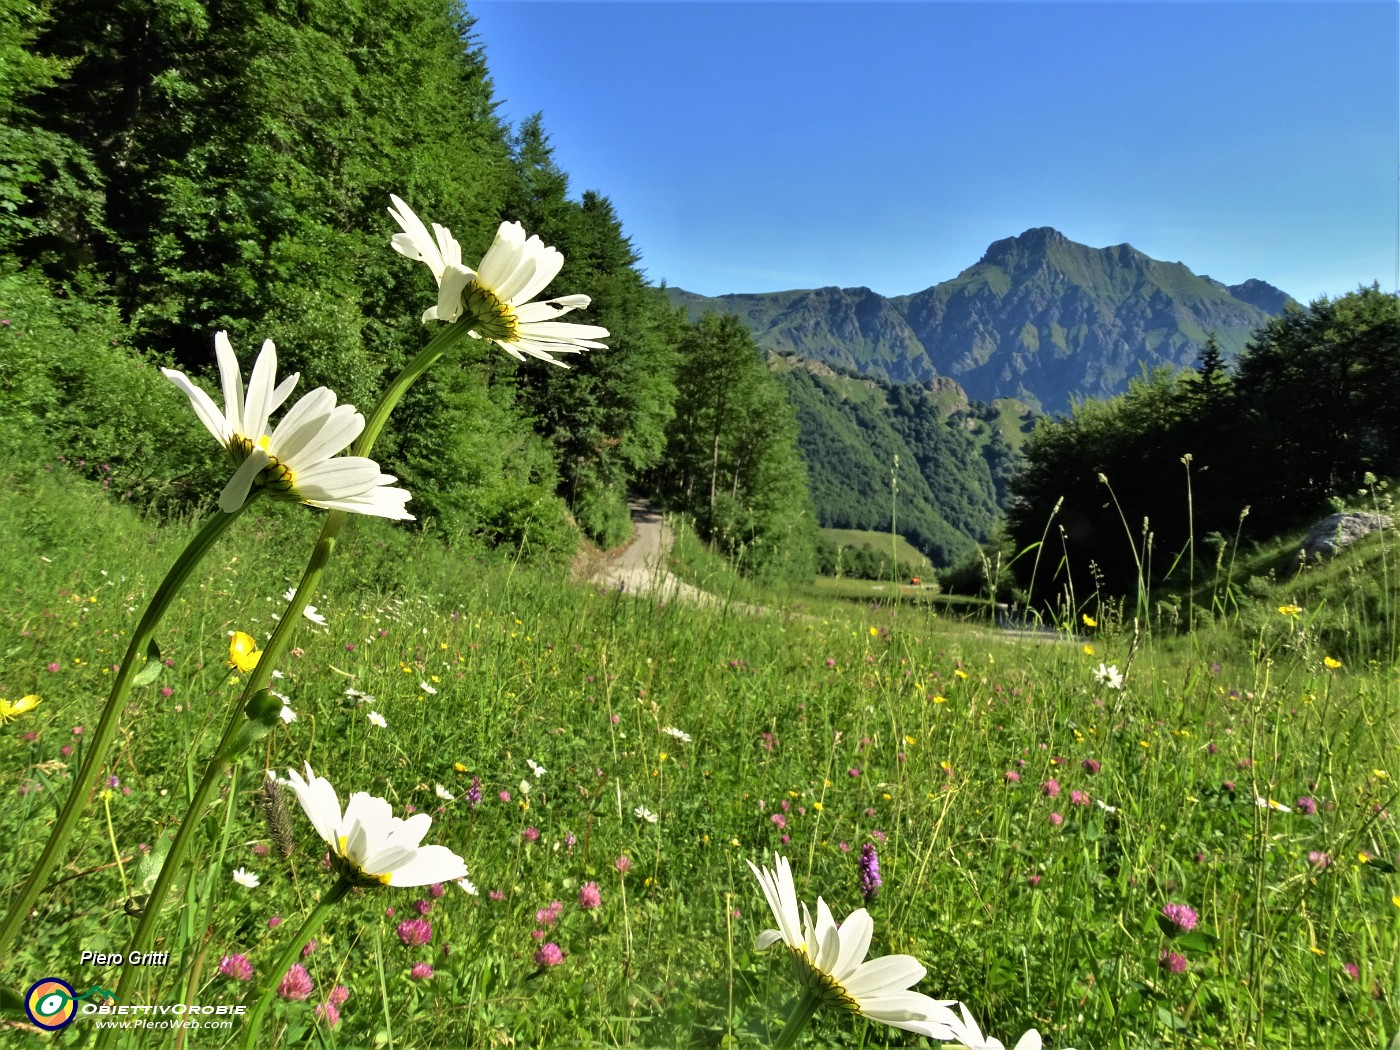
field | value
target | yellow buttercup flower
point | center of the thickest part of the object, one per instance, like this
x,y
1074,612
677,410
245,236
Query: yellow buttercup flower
x,y
1290,610
1089,621
1330,663
243,652
10,711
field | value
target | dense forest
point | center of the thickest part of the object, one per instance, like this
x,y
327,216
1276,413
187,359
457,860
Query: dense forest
x,y
171,170
1129,491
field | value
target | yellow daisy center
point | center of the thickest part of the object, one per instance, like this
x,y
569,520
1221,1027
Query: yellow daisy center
x,y
492,317
822,984
356,874
276,477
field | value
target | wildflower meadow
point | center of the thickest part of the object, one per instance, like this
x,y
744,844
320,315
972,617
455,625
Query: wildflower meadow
x,y
288,775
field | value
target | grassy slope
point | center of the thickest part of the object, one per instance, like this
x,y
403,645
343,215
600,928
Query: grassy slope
x,y
871,724
879,541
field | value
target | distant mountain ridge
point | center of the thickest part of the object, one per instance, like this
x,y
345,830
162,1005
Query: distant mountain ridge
x,y
1039,318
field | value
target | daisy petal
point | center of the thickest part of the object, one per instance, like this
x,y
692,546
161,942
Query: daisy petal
x,y
204,407
235,493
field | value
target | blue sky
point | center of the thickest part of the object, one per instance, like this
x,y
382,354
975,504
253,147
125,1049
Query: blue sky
x,y
763,146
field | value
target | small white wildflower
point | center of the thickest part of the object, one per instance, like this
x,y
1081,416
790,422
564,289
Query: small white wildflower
x,y
287,715
1109,676
467,886
679,734
244,877
309,612
645,814
443,793
377,719
426,687
536,768
1268,803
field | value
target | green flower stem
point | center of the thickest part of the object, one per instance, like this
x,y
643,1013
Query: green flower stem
x,y
219,762
803,1012
272,978
427,357
101,740
276,646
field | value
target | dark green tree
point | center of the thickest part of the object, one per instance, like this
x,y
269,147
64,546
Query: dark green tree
x,y
1320,396
1207,390
607,412
732,457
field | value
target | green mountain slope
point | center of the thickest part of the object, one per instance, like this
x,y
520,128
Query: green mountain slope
x,y
953,461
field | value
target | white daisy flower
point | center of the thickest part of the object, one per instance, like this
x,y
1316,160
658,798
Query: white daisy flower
x,y
371,846
467,887
496,297
244,877
359,697
1109,676
426,687
679,734
377,719
645,814
967,1032
298,459
442,793
536,768
310,611
830,961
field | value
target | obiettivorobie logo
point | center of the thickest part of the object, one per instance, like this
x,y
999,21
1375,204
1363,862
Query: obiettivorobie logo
x,y
52,1004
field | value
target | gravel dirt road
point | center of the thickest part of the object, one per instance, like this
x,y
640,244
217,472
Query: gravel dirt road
x,y
640,567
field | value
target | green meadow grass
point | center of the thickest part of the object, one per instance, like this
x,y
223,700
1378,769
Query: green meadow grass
x,y
843,725
879,541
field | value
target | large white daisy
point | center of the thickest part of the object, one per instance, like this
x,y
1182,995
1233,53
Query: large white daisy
x,y
830,961
298,459
373,847
967,1032
496,296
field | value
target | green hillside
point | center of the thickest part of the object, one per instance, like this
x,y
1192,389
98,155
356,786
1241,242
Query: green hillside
x,y
880,541
951,465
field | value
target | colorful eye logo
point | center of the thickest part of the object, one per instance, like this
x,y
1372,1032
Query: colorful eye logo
x,y
50,1004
